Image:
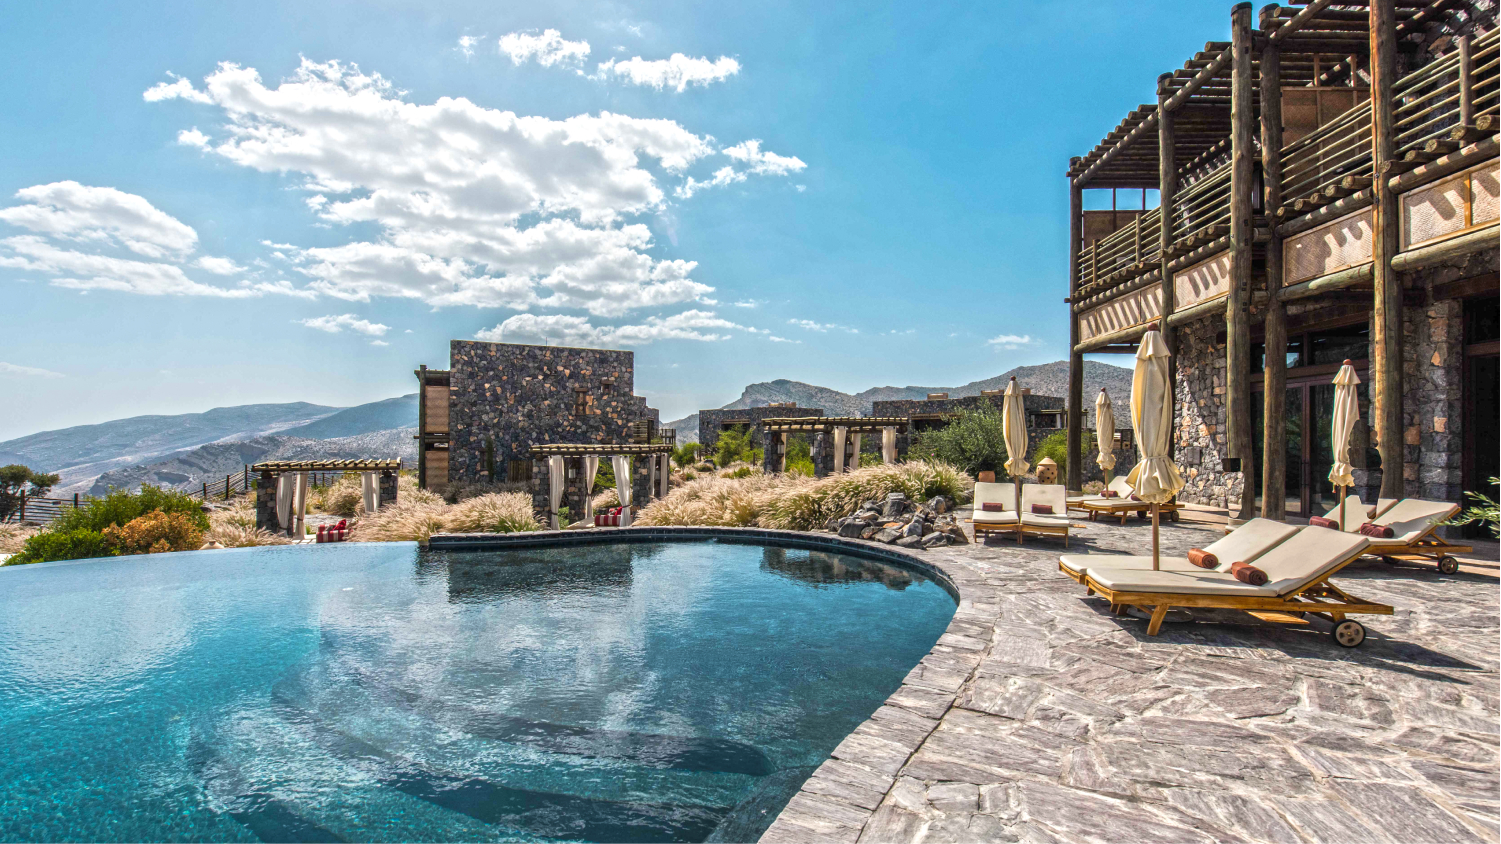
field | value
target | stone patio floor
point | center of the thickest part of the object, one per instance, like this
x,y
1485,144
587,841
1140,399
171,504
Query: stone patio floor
x,y
1039,716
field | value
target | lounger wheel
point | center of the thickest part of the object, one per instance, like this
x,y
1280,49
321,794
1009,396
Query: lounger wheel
x,y
1173,516
1448,565
1349,633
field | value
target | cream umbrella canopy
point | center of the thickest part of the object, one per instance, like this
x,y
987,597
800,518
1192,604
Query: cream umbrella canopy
x,y
1156,478
1014,429
1346,412
1104,424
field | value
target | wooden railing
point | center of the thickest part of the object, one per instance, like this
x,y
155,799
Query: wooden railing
x,y
1428,102
1332,159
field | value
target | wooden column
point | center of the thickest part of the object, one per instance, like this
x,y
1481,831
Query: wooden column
x,y
1167,189
1466,83
1237,312
1386,319
1074,472
1274,399
422,426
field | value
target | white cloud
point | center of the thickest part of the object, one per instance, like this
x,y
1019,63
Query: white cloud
x,y
677,72
749,303
178,88
775,339
821,327
1010,341
335,324
548,49
722,176
71,211
564,330
193,138
218,266
88,271
29,371
379,343
762,163
466,44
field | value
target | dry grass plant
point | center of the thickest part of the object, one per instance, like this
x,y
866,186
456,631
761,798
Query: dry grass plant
x,y
14,536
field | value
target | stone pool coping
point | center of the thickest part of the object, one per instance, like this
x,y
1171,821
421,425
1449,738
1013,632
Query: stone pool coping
x,y
844,792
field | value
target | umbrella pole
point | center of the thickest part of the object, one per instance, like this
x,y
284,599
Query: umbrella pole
x,y
1018,512
1154,538
1342,507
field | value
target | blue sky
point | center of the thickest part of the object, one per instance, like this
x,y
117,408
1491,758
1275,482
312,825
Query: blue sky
x,y
213,204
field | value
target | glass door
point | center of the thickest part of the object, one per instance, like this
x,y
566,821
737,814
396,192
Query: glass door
x,y
1322,495
1295,483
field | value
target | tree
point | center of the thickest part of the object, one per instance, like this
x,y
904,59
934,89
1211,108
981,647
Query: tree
x,y
974,441
15,479
686,454
735,444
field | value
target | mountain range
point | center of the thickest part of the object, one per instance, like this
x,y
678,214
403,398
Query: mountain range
x,y
1048,379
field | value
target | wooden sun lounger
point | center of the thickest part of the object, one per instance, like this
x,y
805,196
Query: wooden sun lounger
x,y
1117,484
1300,569
1124,507
1004,521
1243,545
1414,521
1054,495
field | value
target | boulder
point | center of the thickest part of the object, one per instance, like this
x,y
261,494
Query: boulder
x,y
914,528
955,534
851,528
940,504
868,515
869,532
871,505
910,541
832,525
935,540
896,505
888,535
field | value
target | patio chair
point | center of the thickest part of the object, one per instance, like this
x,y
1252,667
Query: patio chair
x,y
1244,545
1117,485
984,520
1413,521
1052,496
1297,570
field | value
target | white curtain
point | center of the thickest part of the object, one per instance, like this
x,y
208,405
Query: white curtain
x,y
591,472
839,434
855,461
370,490
888,445
299,527
286,488
555,480
1104,430
622,466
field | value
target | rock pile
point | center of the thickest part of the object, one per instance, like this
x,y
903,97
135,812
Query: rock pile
x,y
899,521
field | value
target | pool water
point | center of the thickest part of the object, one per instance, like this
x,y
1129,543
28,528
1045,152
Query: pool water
x,y
354,692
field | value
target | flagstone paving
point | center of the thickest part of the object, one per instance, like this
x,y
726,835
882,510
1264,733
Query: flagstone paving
x,y
1039,716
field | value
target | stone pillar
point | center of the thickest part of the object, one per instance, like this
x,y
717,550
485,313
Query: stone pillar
x,y
265,502
539,488
823,455
387,488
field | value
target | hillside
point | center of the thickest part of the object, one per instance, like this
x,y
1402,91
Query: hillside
x,y
1048,379
207,463
386,415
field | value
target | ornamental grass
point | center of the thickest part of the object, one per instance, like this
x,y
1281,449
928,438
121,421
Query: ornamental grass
x,y
416,519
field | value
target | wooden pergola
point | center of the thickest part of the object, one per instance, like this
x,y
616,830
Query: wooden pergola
x,y
836,456
281,488
279,466
561,482
598,449
1214,120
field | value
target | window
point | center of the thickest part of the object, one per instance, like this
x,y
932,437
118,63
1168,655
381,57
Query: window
x,y
580,402
1335,345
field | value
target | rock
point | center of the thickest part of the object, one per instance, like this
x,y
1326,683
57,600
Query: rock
x,y
909,541
954,533
868,515
871,505
851,528
940,504
927,528
888,535
935,540
896,505
869,532
913,528
832,525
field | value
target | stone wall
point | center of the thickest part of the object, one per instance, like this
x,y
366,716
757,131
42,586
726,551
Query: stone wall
x,y
711,422
1200,405
507,397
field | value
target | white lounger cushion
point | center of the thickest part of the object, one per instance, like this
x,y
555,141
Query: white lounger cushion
x,y
1005,517
1302,559
1055,495
1176,582
1409,519
1242,545
1039,520
1356,514
1003,494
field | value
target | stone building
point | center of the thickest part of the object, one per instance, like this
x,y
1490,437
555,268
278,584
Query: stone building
x,y
713,422
479,419
1045,414
1328,191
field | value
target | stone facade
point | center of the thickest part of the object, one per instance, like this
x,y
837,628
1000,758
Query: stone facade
x,y
1200,421
711,422
506,397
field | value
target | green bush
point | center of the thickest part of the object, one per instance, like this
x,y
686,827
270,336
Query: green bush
x,y
736,445
1055,445
745,472
975,441
687,454
122,508
78,544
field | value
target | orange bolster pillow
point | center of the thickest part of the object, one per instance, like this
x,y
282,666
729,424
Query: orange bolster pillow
x,y
1042,509
1320,521
992,507
1247,573
1110,493
1203,559
1377,531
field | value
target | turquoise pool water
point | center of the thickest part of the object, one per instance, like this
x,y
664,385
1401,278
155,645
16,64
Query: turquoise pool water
x,y
622,692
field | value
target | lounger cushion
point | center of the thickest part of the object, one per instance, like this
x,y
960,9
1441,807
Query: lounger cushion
x,y
1007,517
1307,556
1080,564
1244,544
1034,520
1003,493
1356,513
1176,582
1409,519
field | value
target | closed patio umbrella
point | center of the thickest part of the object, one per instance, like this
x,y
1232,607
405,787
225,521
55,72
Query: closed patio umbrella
x,y
1346,411
1014,427
1104,424
1156,478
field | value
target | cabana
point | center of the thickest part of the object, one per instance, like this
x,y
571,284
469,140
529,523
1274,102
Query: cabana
x,y
563,474
836,440
281,489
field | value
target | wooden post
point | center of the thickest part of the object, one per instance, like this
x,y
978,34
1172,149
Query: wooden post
x,y
1466,83
1386,319
22,516
205,490
422,426
1274,399
1237,313
226,486
1074,477
1167,189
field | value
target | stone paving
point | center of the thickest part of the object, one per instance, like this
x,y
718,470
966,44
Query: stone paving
x,y
1039,716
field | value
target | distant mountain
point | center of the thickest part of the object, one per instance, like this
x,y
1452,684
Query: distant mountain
x,y
207,463
1048,379
386,415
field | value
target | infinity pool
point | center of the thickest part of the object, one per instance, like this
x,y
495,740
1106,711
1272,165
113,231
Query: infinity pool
x,y
619,692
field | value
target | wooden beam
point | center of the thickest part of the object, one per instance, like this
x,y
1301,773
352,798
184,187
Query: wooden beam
x,y
1237,310
1207,73
1454,247
1141,128
1386,318
1327,283
1274,394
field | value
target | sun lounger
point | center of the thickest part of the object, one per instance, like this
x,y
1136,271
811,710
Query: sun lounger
x,y
1117,485
1053,496
1298,571
1358,512
1244,545
1125,506
984,520
1413,521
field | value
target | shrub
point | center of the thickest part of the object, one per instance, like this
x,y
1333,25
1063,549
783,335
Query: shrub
x,y
974,442
1055,445
687,453
16,479
404,521
463,492
76,544
415,520
1485,512
234,526
155,533
122,508
608,498
746,471
736,445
